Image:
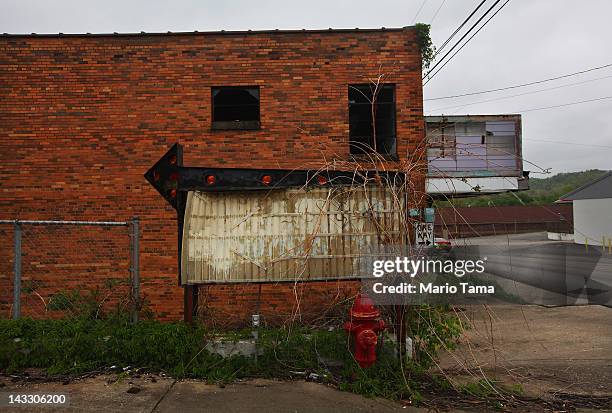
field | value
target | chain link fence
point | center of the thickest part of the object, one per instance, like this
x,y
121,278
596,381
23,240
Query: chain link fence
x,y
69,269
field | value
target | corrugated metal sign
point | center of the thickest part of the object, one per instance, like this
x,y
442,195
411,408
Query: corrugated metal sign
x,y
283,235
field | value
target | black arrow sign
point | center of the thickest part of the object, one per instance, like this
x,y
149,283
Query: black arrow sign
x,y
171,178
165,174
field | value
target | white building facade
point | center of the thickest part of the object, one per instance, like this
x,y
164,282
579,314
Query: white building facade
x,y
592,206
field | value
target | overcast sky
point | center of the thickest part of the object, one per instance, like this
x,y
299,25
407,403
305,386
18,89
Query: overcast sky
x,y
527,41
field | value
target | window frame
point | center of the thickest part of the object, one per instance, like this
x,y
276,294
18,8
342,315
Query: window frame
x,y
354,151
441,140
217,125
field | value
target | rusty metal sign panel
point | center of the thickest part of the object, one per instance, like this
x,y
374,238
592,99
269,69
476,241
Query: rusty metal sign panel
x,y
285,235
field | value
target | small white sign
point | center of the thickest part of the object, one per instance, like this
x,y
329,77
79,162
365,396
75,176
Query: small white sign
x,y
424,233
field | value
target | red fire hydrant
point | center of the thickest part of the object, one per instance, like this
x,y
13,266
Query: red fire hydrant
x,y
364,325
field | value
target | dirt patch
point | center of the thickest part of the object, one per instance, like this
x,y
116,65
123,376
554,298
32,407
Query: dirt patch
x,y
561,355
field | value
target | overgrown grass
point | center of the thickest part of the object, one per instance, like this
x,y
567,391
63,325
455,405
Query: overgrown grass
x,y
80,345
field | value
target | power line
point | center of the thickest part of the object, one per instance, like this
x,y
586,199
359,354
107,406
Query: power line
x,y
437,11
565,104
419,11
460,40
520,94
466,42
567,143
520,85
459,28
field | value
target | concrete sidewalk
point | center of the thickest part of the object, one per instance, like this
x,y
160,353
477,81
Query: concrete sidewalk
x,y
164,395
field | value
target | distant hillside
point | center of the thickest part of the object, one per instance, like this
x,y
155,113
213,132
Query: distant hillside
x,y
542,191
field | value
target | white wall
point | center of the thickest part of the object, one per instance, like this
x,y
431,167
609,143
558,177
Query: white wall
x,y
592,220
451,185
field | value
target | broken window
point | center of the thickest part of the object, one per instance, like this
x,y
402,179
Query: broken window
x,y
235,107
372,119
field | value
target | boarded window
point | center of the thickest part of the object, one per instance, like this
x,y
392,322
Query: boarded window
x,y
294,234
235,107
372,119
441,140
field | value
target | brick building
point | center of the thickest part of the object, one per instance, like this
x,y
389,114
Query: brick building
x,y
82,117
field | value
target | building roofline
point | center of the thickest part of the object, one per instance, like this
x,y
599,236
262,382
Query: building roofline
x,y
570,195
219,32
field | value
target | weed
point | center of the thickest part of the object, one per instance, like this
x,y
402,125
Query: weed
x,y
482,388
85,344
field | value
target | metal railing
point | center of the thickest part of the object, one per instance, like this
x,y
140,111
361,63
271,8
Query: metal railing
x,y
52,249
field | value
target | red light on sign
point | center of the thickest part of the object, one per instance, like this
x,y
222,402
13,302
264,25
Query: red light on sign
x,y
173,193
210,180
174,176
266,180
321,180
172,160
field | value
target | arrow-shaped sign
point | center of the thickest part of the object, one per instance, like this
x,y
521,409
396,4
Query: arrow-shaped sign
x,y
165,174
172,180
170,177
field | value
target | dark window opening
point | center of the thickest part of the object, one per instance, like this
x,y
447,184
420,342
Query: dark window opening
x,y
372,119
235,107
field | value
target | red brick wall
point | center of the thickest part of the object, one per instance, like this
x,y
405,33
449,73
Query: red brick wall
x,y
82,118
315,302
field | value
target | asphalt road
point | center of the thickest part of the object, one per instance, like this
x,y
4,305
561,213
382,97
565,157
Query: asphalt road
x,y
541,271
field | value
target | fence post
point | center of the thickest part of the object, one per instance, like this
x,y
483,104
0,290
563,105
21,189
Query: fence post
x,y
135,267
17,273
